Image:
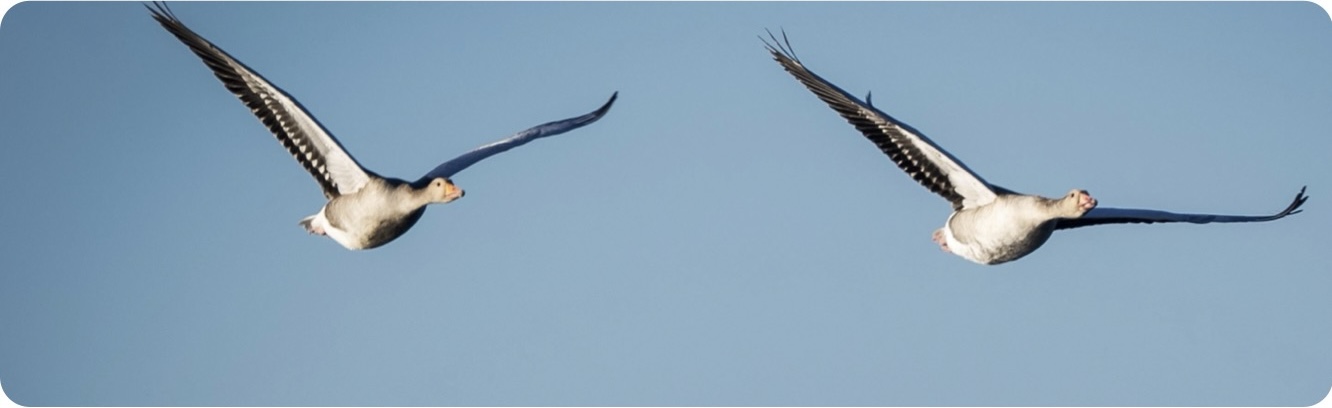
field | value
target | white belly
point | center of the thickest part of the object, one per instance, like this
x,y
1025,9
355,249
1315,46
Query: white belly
x,y
995,235
341,237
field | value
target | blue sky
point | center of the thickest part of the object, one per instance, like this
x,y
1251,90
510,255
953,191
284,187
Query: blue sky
x,y
721,237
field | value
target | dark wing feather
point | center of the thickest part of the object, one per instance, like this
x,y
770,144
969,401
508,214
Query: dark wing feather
x,y
914,153
318,151
1098,216
457,164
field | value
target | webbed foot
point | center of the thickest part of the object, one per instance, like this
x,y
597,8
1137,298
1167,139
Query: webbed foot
x,y
940,239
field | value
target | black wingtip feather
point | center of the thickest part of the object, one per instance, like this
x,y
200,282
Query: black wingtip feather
x,y
780,48
606,107
1295,205
159,8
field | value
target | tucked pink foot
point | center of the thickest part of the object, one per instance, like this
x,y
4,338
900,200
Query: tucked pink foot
x,y
941,240
316,231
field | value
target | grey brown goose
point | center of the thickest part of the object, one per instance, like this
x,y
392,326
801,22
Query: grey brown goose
x,y
989,224
364,209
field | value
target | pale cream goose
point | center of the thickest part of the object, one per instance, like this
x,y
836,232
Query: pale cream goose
x,y
364,210
989,224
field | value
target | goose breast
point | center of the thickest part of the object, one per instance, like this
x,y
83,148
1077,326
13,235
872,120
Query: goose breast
x,y
1007,229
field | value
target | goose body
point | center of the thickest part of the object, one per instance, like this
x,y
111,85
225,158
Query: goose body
x,y
364,210
989,224
1007,228
379,212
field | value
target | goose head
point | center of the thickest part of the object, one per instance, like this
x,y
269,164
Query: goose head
x,y
1074,204
442,190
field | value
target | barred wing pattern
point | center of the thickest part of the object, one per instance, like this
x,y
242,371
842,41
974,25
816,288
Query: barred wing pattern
x,y
914,153
317,151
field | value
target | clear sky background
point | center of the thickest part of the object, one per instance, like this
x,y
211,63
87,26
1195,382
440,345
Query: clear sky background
x,y
721,237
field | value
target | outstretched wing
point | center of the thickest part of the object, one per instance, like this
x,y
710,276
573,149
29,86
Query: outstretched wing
x,y
914,153
303,136
1098,216
451,167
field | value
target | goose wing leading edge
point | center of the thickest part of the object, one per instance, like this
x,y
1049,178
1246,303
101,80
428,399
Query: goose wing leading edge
x,y
318,151
914,153
451,167
1099,216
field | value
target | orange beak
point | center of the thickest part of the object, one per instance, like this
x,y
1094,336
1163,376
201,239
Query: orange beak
x,y
452,192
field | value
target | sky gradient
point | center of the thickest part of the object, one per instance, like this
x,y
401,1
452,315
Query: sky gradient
x,y
721,237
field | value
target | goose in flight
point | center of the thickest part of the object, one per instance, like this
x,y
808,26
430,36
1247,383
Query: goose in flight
x,y
989,224
364,209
